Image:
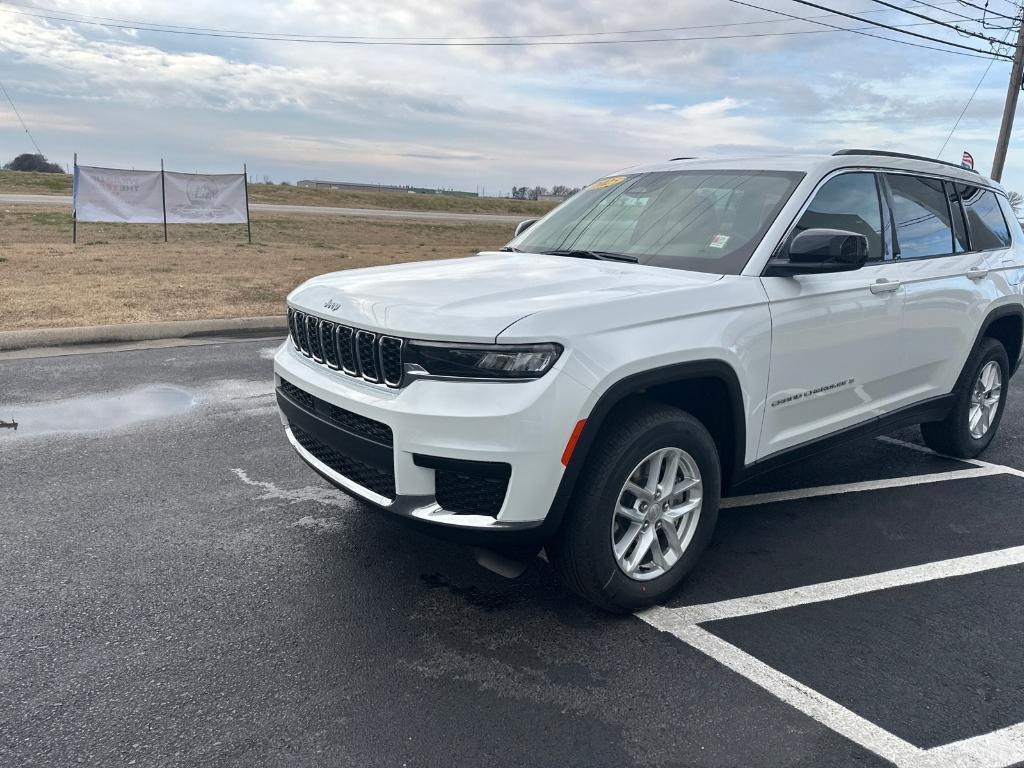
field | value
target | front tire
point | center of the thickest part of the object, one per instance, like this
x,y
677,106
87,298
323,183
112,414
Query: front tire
x,y
643,511
978,407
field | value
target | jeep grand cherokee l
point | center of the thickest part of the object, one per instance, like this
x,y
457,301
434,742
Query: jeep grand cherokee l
x,y
664,335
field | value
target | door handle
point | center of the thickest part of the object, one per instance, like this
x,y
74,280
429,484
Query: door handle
x,y
884,286
977,273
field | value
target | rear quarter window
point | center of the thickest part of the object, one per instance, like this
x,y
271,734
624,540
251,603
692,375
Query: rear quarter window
x,y
989,230
1016,235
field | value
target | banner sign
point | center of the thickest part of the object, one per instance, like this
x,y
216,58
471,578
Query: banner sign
x,y
205,199
107,194
141,197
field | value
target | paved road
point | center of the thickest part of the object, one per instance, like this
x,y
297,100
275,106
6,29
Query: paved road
x,y
313,210
177,588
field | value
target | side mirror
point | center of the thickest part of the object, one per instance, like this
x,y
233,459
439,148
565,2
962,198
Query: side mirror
x,y
522,226
821,250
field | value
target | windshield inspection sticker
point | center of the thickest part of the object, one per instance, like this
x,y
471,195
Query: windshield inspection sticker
x,y
718,241
611,181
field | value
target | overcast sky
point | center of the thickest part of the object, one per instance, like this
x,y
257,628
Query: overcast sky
x,y
483,116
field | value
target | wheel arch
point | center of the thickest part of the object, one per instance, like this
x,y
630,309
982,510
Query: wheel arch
x,y
1006,325
700,387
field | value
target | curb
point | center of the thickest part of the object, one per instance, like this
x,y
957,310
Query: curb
x,y
172,329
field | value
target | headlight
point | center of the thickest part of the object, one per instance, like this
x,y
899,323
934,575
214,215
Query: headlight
x,y
481,361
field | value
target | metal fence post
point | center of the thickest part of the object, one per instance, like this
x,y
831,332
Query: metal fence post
x,y
163,197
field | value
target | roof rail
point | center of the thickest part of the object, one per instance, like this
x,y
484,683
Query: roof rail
x,y
904,156
673,159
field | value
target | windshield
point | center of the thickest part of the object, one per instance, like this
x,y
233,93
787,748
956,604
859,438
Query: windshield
x,y
706,221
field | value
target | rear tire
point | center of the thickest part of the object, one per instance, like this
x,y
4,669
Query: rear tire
x,y
625,499
978,406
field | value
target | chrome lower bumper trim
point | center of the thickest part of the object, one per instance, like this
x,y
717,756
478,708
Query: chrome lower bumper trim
x,y
423,508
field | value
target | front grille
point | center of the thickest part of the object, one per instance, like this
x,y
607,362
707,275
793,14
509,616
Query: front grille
x,y
316,349
466,493
346,338
366,354
391,366
350,422
301,397
328,344
293,332
377,480
355,352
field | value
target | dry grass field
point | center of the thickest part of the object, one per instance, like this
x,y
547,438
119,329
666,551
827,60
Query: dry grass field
x,y
125,273
19,182
60,184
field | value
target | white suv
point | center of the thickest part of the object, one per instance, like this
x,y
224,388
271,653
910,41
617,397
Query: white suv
x,y
669,332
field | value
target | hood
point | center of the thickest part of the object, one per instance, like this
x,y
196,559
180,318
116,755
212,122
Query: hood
x,y
477,297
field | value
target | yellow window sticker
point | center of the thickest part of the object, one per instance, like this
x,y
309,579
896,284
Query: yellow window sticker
x,y
611,181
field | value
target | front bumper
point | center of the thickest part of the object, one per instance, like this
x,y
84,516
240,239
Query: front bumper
x,y
522,425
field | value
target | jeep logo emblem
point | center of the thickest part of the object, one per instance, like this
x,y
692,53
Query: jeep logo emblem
x,y
332,305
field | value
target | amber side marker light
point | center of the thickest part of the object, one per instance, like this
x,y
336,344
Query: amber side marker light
x,y
573,439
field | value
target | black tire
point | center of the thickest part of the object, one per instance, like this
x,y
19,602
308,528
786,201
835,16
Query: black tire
x,y
582,550
952,436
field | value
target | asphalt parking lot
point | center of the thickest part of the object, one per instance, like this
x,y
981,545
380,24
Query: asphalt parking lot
x,y
177,588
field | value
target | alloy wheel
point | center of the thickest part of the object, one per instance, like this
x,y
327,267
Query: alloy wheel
x,y
985,400
656,514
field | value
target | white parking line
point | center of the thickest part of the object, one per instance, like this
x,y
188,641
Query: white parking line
x,y
975,462
998,749
813,704
836,590
865,485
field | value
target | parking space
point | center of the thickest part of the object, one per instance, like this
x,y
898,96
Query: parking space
x,y
182,591
952,669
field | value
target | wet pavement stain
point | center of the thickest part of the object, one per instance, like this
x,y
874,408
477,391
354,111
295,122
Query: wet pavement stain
x,y
487,602
100,413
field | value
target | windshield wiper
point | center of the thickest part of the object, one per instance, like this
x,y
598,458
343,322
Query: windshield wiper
x,y
599,255
509,249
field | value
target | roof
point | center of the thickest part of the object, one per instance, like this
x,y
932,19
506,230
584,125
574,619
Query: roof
x,y
821,165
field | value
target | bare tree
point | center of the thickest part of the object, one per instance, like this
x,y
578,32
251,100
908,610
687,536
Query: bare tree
x,y
1016,202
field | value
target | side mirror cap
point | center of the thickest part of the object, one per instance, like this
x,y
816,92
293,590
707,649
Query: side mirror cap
x,y
821,250
522,226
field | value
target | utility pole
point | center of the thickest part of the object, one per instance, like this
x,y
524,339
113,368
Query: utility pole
x,y
1012,92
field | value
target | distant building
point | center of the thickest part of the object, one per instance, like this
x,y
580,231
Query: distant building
x,y
352,186
552,198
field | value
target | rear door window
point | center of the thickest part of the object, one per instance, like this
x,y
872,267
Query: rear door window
x,y
921,210
988,227
848,202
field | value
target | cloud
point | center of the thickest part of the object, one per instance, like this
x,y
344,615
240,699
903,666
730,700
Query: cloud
x,y
448,116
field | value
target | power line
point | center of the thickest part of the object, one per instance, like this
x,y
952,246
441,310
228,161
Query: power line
x,y
160,27
453,43
968,104
961,30
20,119
903,31
980,54
986,9
935,7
